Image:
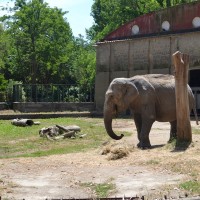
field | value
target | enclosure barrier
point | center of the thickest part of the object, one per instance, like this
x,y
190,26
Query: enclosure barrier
x,y
51,93
196,92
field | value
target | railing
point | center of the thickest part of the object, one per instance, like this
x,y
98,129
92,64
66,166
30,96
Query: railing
x,y
196,92
50,93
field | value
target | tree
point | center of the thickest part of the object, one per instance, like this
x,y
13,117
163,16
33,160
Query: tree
x,y
5,47
84,66
4,52
43,43
168,3
184,130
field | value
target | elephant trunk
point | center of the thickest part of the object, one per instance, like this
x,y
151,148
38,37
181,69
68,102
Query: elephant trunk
x,y
108,115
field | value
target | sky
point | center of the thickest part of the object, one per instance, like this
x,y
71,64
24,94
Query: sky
x,y
78,14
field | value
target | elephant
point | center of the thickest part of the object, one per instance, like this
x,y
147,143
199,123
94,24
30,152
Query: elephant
x,y
150,98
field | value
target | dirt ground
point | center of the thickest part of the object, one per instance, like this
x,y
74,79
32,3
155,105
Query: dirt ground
x,y
154,173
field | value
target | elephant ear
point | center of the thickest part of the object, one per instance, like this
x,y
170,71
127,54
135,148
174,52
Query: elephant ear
x,y
130,93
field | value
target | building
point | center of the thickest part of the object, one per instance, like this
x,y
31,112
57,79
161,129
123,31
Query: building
x,y
146,44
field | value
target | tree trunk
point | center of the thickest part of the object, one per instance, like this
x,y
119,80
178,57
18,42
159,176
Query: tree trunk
x,y
22,122
181,63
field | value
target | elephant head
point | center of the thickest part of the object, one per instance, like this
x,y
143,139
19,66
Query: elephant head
x,y
120,94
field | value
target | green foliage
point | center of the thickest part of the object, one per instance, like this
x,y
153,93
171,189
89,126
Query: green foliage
x,y
9,90
73,94
3,47
3,85
43,50
168,3
84,66
43,43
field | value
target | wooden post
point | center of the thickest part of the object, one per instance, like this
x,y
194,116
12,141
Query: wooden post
x,y
181,64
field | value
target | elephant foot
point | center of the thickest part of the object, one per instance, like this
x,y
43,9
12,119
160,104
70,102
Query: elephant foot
x,y
144,146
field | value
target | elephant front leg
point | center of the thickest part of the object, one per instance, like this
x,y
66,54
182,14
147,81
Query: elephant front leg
x,y
144,142
138,124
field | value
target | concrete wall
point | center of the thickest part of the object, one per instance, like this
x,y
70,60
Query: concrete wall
x,y
52,107
126,58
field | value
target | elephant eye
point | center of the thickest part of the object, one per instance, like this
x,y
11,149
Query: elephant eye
x,y
110,95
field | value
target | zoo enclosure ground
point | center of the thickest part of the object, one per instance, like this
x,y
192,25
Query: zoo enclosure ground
x,y
155,172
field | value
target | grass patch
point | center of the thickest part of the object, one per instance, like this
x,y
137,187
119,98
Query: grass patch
x,y
26,142
102,190
171,144
192,186
195,131
152,162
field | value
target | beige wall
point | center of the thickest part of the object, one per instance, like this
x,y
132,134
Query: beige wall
x,y
141,56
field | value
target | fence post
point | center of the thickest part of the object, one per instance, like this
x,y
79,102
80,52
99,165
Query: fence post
x,y
181,64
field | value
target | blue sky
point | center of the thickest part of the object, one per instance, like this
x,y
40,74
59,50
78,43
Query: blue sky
x,y
78,14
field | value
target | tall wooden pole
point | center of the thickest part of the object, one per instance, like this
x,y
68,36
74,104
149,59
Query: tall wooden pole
x,y
181,64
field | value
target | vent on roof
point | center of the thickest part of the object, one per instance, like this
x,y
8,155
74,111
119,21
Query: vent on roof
x,y
165,26
135,30
196,22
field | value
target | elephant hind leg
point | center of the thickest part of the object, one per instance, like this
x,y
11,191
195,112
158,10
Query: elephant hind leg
x,y
173,131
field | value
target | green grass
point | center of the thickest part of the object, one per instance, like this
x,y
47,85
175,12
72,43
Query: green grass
x,y
192,186
26,142
195,131
102,190
153,162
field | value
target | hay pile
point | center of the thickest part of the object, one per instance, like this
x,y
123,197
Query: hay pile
x,y
115,151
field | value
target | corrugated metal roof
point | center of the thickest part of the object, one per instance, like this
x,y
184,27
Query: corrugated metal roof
x,y
179,18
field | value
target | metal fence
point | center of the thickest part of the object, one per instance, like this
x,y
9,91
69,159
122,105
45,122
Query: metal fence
x,y
196,92
64,93
51,93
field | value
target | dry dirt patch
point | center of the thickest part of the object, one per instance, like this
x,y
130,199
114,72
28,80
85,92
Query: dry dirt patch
x,y
154,172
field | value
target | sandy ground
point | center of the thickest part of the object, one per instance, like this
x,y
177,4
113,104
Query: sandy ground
x,y
142,172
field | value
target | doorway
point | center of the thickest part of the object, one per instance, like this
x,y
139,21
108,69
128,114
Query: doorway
x,y
194,82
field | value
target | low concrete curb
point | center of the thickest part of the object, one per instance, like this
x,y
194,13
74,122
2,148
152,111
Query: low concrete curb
x,y
49,115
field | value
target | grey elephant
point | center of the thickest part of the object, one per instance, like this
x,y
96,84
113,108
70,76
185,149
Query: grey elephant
x,y
150,98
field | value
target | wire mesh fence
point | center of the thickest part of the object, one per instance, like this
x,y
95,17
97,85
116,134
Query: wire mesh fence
x,y
51,93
